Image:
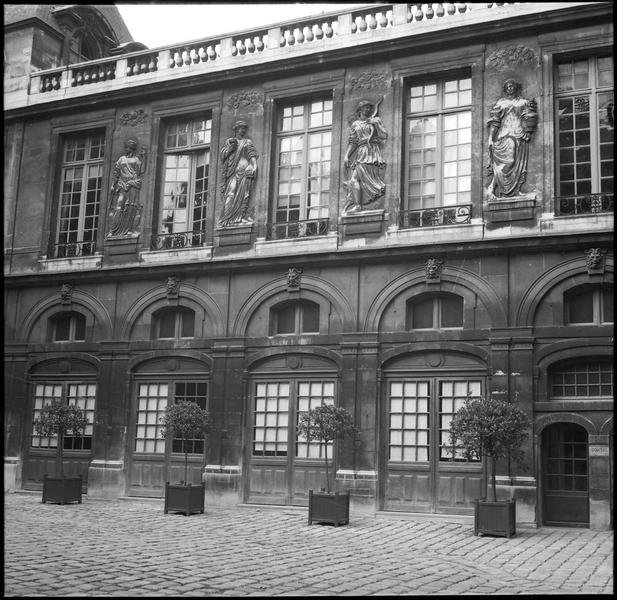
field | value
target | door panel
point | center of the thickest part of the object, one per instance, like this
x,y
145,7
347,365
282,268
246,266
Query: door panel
x,y
282,469
565,494
420,475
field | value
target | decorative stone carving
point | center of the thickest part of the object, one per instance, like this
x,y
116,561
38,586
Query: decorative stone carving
x,y
512,122
126,184
364,158
433,268
239,165
173,286
66,293
371,80
294,275
511,56
134,118
595,259
244,99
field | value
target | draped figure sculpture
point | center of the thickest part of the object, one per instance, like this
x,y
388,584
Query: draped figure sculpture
x,y
364,158
512,121
239,165
126,183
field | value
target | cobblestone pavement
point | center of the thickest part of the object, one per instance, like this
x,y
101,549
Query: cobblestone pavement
x,y
131,548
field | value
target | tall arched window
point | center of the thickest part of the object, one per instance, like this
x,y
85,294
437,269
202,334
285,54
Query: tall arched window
x,y
435,311
171,323
295,317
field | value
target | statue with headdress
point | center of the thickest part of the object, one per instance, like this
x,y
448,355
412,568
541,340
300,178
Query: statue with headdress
x,y
239,168
364,158
126,183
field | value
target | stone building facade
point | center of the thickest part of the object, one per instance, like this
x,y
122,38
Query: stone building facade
x,y
389,209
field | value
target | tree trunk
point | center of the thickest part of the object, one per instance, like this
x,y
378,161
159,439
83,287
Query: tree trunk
x,y
59,454
493,481
186,462
326,460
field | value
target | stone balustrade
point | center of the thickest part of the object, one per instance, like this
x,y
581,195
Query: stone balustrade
x,y
319,33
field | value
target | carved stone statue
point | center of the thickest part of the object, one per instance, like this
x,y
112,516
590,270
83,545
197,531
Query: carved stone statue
x,y
364,158
239,166
433,268
513,119
126,183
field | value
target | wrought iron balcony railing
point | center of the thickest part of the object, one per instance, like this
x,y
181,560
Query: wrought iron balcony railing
x,y
296,229
72,249
435,216
178,240
584,204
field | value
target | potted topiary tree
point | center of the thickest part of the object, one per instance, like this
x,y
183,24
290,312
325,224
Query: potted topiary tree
x,y
327,423
491,429
187,421
58,419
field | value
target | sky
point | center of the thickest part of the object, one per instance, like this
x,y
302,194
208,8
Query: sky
x,y
158,24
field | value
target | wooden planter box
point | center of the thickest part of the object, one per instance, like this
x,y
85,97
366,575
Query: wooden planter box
x,y
495,518
185,499
61,490
328,508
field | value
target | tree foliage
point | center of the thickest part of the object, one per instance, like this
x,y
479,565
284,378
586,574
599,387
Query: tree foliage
x,y
326,423
59,418
188,421
495,429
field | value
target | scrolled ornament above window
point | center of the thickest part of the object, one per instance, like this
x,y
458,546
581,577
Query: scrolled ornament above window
x,y
511,56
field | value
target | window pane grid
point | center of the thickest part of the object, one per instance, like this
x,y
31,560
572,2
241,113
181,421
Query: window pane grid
x,y
584,126
452,396
270,419
582,380
151,405
439,144
409,421
186,176
190,391
82,395
310,395
304,159
80,195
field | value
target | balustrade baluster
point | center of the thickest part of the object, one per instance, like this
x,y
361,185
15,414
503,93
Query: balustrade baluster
x,y
383,20
462,7
250,46
429,13
186,58
241,47
194,56
319,32
362,26
372,22
329,32
211,53
177,58
299,35
419,14
259,45
310,36
451,8
152,65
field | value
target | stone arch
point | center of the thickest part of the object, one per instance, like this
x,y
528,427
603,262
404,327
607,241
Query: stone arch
x,y
607,427
334,357
276,291
462,279
546,357
136,361
157,298
77,357
568,274
99,318
543,421
460,348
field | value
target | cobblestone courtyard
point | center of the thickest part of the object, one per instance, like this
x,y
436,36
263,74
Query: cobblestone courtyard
x,y
130,548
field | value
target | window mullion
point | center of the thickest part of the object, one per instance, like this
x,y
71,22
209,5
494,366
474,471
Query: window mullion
x,y
304,175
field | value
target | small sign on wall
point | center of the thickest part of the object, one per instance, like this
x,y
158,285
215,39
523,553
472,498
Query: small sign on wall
x,y
598,450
